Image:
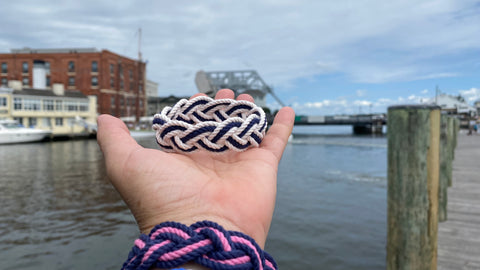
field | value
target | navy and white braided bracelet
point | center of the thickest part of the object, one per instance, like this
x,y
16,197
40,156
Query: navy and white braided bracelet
x,y
215,125
173,244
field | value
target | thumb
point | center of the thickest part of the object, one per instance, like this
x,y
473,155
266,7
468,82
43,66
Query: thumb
x,y
277,136
116,144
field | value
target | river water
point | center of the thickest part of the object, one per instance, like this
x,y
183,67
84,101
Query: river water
x,y
58,210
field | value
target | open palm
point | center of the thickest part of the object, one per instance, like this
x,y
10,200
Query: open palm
x,y
235,189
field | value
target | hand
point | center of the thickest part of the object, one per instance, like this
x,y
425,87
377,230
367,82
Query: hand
x,y
235,189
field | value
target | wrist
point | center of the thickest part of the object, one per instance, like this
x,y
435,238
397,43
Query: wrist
x,y
187,266
255,231
171,245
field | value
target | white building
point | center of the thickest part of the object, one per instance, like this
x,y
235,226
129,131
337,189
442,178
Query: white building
x,y
477,105
453,105
151,89
64,113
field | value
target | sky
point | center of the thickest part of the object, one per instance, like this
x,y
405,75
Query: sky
x,y
320,57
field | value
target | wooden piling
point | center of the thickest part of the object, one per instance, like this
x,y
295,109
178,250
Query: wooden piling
x,y
445,160
456,129
451,148
413,174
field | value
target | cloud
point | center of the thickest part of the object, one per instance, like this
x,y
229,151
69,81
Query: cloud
x,y
361,93
380,105
471,95
365,41
362,103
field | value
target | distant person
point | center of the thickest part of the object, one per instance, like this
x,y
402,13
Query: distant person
x,y
471,126
235,190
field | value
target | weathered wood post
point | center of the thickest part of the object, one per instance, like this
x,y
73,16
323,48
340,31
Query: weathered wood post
x,y
445,160
413,173
451,148
456,127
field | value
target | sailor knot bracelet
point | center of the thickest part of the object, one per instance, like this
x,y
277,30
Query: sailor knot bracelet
x,y
206,243
215,125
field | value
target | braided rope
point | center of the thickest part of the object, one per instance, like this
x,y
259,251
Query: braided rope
x,y
172,244
214,125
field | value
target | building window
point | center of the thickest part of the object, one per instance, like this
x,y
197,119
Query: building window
x,y
58,121
17,103
48,105
19,120
46,122
32,121
121,85
47,66
49,82
112,101
4,67
25,81
71,66
31,104
83,106
4,82
140,88
120,70
71,106
141,103
130,74
112,69
25,67
94,66
58,105
122,101
71,81
70,122
94,81
131,86
112,83
3,102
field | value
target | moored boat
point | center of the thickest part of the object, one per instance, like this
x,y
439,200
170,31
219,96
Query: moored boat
x,y
12,132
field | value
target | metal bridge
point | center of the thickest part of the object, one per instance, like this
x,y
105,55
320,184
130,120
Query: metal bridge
x,y
249,82
240,81
361,123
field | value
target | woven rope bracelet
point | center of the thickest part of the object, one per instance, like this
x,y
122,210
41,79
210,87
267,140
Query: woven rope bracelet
x,y
206,243
215,125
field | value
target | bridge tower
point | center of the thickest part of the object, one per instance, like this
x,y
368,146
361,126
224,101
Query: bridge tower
x,y
240,81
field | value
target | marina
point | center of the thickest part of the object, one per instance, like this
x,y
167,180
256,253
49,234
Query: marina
x,y
380,172
59,210
56,194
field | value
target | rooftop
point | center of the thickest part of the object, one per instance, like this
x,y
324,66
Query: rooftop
x,y
49,93
64,50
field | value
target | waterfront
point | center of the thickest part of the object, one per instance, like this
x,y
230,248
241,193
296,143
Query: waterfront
x,y
59,211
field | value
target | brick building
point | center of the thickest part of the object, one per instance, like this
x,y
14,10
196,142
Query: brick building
x,y
117,81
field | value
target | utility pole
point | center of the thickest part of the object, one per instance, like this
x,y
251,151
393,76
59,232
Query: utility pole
x,y
436,94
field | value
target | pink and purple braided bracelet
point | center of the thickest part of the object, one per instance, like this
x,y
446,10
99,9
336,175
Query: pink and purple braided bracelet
x,y
171,244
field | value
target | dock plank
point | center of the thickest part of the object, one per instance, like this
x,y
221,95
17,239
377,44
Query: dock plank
x,y
459,236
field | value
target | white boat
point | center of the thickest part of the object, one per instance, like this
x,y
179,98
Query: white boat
x,y
12,132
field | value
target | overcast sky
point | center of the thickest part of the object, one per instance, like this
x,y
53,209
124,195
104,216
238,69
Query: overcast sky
x,y
321,57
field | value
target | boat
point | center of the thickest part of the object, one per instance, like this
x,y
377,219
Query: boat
x,y
12,132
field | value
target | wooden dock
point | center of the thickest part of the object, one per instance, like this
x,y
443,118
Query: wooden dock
x,y
459,236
